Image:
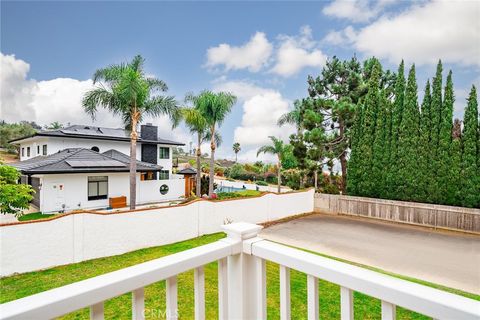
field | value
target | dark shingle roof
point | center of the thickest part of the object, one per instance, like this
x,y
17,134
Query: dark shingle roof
x,y
187,171
92,132
79,160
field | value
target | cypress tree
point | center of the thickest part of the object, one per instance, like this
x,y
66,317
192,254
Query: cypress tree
x,y
388,146
397,114
424,156
454,186
436,111
365,144
446,187
379,160
407,150
470,181
353,162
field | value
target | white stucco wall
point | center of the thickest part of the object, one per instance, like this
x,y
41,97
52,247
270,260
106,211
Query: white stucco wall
x,y
74,193
32,246
56,144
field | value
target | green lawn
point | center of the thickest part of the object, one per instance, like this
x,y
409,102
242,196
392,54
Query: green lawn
x,y
18,286
34,216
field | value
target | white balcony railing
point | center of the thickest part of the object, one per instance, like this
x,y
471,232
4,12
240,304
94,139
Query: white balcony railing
x,y
242,284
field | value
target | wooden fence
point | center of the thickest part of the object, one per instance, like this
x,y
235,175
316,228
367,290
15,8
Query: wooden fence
x,y
424,214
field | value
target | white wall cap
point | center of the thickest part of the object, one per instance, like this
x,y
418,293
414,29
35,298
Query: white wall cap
x,y
241,230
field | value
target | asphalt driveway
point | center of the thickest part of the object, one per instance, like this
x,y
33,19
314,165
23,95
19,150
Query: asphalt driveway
x,y
446,258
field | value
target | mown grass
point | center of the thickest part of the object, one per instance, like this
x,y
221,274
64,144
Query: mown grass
x,y
18,286
34,216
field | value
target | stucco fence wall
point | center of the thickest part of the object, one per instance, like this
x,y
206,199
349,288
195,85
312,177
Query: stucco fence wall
x,y
430,215
82,236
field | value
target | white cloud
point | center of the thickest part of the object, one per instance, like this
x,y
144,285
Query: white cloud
x,y
242,89
424,33
296,53
259,120
15,100
252,55
343,37
288,54
355,10
57,100
261,109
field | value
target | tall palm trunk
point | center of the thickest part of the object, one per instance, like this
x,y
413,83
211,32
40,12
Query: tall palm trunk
x,y
133,161
279,177
212,163
315,175
199,168
236,157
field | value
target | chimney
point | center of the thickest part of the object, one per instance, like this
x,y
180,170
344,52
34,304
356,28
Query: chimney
x,y
149,132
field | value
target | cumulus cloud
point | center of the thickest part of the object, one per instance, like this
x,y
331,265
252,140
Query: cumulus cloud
x,y
355,10
243,90
288,54
297,52
261,109
58,99
252,55
424,33
339,38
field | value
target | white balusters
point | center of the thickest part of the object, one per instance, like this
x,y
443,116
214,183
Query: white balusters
x,y
346,303
172,299
96,311
199,279
261,288
388,311
138,304
312,297
284,293
222,289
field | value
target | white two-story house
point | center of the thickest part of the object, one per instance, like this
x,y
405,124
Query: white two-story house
x,y
82,167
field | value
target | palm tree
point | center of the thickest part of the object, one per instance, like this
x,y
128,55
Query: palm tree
x,y
126,91
294,117
197,124
236,149
279,149
214,107
54,126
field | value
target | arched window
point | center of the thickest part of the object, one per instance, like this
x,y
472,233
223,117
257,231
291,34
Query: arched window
x,y
96,149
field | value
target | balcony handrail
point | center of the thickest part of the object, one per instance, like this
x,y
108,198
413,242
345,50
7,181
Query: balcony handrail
x,y
419,298
60,301
242,260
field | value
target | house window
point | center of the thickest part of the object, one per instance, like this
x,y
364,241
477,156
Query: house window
x,y
28,151
96,149
148,176
97,188
38,150
164,153
44,149
163,175
23,152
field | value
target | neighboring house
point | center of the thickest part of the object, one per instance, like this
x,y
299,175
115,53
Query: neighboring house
x,y
81,167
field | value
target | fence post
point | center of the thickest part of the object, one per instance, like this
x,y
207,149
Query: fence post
x,y
243,273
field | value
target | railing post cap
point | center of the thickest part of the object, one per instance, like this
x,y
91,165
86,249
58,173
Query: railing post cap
x,y
241,230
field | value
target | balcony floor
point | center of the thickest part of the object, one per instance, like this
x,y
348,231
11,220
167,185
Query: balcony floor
x,y
446,258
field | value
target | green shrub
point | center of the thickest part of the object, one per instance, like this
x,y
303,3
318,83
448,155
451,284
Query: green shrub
x,y
262,183
238,194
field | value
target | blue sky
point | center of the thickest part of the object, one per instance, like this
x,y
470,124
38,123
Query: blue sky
x,y
261,51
